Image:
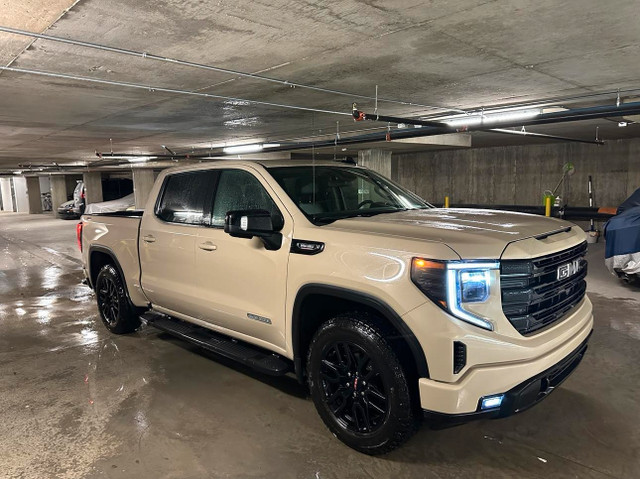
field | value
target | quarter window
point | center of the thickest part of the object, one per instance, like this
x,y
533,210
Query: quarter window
x,y
185,198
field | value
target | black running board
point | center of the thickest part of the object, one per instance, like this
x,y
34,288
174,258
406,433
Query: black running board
x,y
253,356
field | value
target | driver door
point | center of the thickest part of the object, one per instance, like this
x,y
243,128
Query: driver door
x,y
241,286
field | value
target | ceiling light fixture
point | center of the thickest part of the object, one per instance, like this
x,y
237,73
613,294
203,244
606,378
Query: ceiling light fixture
x,y
488,118
140,159
232,150
622,124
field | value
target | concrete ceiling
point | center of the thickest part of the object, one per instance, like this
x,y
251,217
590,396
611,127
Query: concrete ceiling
x,y
463,54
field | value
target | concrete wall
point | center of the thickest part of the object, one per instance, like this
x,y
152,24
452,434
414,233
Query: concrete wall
x,y
378,160
520,174
45,184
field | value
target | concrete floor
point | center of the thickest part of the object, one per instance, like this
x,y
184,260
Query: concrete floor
x,y
77,401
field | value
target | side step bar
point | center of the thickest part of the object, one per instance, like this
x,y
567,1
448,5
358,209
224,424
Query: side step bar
x,y
253,356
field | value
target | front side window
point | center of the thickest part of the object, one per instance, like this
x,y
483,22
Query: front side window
x,y
184,199
240,190
328,193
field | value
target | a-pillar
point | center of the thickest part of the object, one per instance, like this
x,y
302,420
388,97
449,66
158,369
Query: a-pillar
x,y
379,161
92,187
143,180
59,193
7,198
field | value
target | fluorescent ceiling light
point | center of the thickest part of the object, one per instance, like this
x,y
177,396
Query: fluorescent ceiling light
x,y
242,149
488,118
270,145
140,159
17,172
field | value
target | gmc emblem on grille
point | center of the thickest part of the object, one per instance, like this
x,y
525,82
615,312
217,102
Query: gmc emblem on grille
x,y
569,269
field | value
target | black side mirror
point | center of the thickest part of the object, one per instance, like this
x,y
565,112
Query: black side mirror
x,y
250,223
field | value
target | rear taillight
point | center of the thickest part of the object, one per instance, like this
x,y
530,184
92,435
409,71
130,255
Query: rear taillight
x,y
79,235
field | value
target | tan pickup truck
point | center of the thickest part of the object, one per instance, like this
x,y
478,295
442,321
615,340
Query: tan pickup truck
x,y
388,308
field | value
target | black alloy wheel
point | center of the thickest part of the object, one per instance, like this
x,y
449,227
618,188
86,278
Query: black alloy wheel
x,y
353,387
117,312
108,301
359,386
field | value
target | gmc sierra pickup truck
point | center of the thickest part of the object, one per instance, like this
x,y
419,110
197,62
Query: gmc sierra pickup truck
x,y
387,308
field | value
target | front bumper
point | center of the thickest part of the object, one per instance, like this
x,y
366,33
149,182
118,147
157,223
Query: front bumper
x,y
488,379
521,397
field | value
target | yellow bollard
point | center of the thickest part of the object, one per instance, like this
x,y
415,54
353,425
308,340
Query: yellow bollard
x,y
446,201
547,205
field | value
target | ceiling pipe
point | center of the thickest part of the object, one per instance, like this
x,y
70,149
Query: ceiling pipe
x,y
254,76
362,116
576,114
153,89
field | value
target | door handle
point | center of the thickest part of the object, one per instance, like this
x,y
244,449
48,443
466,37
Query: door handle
x,y
149,239
207,246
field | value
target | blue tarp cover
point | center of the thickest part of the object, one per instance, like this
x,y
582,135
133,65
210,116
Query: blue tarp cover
x,y
622,232
633,200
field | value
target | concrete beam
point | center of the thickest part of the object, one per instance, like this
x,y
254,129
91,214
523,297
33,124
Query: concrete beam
x,y
461,140
93,187
59,192
143,180
7,197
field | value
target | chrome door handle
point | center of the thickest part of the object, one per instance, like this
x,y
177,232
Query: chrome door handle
x,y
207,246
149,239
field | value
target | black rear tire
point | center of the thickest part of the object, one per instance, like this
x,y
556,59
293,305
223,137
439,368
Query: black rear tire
x,y
359,386
116,311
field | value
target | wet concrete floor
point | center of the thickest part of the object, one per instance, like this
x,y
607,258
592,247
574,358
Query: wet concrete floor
x,y
78,402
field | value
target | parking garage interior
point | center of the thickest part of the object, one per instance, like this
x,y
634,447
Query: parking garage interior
x,y
527,106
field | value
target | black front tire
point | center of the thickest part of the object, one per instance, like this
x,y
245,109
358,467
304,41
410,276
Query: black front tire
x,y
116,311
359,386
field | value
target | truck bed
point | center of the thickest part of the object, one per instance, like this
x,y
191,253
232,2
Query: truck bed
x,y
115,234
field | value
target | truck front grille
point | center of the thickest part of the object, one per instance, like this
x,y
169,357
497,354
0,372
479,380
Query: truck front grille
x,y
535,294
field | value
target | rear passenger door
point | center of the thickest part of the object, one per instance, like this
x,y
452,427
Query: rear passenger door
x,y
241,286
168,238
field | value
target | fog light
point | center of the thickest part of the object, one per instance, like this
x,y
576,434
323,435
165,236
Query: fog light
x,y
491,402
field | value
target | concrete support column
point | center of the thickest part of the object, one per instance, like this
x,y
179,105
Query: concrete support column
x,y
379,161
58,192
93,187
143,180
22,195
7,200
34,198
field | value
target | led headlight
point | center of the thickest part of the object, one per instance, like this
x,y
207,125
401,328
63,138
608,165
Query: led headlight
x,y
456,286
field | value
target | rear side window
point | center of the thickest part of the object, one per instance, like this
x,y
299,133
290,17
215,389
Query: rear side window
x,y
186,198
240,190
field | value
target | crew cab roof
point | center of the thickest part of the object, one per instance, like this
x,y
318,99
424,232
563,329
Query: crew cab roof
x,y
264,163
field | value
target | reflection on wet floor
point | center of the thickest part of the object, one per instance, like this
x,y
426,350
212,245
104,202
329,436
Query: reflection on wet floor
x,y
79,402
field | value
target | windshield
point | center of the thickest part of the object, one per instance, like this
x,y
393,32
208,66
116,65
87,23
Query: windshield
x,y
329,193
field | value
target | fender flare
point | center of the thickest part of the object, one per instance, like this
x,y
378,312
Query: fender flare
x,y
109,252
365,299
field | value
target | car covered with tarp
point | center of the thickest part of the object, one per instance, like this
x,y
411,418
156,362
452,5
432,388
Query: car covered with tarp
x,y
622,234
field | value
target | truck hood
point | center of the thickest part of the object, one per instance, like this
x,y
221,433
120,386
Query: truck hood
x,y
471,233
